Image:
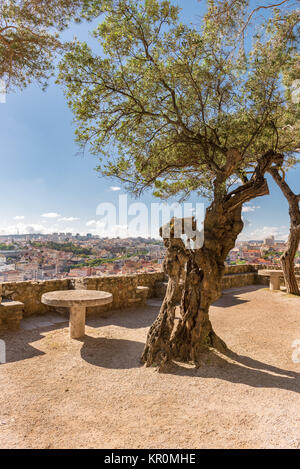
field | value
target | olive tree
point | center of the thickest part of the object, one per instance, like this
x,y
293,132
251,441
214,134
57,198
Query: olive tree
x,y
180,109
287,259
220,13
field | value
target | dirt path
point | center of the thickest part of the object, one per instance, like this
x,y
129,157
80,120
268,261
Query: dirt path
x,y
57,393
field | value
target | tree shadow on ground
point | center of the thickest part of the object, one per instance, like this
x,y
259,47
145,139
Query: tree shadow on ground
x,y
244,370
18,344
133,318
20,354
231,297
125,354
226,301
111,353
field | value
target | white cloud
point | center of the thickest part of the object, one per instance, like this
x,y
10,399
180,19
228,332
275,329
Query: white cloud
x,y
22,228
51,215
119,230
246,222
100,228
33,228
91,223
279,232
249,208
115,188
19,217
69,219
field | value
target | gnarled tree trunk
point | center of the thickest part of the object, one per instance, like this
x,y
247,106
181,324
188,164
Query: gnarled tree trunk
x,y
288,261
288,257
158,346
203,285
203,272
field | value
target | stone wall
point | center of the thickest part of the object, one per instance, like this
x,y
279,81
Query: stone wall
x,y
151,281
123,288
239,280
240,269
30,294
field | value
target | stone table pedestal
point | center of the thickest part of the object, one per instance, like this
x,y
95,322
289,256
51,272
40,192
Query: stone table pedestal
x,y
77,301
275,276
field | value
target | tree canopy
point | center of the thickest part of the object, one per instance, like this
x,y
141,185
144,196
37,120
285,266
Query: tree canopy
x,y
30,36
178,106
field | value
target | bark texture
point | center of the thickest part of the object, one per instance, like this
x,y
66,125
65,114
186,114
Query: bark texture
x,y
288,257
158,346
201,269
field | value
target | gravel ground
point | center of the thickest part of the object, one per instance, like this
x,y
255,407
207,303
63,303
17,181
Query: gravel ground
x,y
62,393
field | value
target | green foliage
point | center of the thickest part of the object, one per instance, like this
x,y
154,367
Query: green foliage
x,y
65,247
271,253
7,247
181,108
98,262
30,37
240,262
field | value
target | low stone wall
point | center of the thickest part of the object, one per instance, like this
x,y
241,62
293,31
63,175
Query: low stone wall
x,y
239,280
30,294
152,281
240,269
122,287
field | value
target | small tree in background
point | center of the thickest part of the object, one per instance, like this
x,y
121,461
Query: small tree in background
x,y
180,109
287,259
222,14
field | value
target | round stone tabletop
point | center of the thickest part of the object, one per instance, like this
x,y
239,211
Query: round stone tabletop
x,y
69,298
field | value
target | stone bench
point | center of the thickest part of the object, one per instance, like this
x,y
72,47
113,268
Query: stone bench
x,y
275,277
161,289
142,294
11,314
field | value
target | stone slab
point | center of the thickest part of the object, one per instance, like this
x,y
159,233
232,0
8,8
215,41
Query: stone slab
x,y
69,298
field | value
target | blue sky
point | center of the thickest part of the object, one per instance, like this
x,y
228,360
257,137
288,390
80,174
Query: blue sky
x,y
45,186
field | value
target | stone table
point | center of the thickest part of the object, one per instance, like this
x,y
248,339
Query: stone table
x,y
77,301
275,276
